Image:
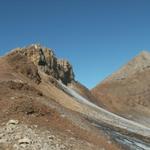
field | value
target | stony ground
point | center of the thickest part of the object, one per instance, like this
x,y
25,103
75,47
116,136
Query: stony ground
x,y
17,136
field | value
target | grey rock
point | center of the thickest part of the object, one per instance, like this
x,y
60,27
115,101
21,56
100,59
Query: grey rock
x,y
12,122
24,141
3,140
45,60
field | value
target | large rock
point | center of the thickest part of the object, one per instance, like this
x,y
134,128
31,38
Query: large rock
x,y
45,60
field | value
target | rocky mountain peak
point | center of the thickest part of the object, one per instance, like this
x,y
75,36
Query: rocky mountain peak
x,y
138,64
143,58
45,60
144,54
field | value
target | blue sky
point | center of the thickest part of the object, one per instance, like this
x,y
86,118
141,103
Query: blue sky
x,y
96,36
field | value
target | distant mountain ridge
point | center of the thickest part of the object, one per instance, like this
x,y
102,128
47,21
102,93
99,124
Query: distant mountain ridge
x,y
127,91
137,64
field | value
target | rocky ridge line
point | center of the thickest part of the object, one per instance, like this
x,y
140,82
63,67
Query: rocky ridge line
x,y
45,60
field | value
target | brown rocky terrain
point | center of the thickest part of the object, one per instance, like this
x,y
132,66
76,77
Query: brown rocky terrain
x,y
127,91
38,57
36,113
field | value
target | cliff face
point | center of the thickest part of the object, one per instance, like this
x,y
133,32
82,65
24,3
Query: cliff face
x,y
46,61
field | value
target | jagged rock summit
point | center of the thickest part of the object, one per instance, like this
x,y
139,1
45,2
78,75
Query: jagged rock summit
x,y
44,60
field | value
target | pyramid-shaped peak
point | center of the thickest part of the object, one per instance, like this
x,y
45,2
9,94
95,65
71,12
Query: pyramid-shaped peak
x,y
144,54
143,58
139,63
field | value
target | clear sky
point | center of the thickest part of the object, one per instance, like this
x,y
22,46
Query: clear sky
x,y
96,36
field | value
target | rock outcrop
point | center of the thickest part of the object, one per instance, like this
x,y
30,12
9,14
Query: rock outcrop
x,y
46,61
